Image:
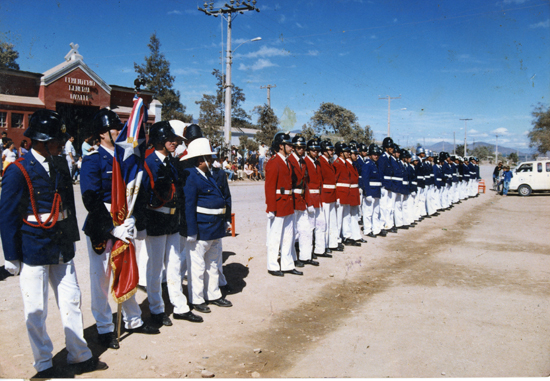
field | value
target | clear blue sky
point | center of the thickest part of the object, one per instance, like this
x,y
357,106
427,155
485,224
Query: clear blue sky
x,y
484,60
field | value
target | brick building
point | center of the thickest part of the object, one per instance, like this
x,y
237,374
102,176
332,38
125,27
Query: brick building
x,y
72,89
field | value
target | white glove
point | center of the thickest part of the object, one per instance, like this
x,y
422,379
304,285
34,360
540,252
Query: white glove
x,y
228,225
370,199
338,202
13,267
270,215
141,234
192,238
130,223
122,233
310,209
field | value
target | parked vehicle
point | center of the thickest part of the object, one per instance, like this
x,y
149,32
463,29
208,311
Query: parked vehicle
x,y
531,176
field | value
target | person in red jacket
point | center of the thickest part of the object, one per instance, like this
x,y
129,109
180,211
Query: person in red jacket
x,y
280,208
352,232
316,217
302,231
328,197
343,183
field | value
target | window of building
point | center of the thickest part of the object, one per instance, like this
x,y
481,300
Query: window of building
x,y
3,119
539,167
16,120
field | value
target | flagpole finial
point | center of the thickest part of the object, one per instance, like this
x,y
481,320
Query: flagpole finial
x,y
138,83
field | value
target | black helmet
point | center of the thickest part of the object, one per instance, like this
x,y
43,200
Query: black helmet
x,y
340,147
396,148
46,125
192,132
405,154
298,141
453,158
363,147
443,156
326,145
161,132
313,144
375,149
280,138
353,147
387,143
106,120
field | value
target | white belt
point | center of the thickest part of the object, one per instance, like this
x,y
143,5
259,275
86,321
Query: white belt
x,y
420,177
414,183
298,191
314,191
375,184
439,179
44,216
343,185
405,183
387,177
354,186
214,212
162,209
329,186
397,178
278,191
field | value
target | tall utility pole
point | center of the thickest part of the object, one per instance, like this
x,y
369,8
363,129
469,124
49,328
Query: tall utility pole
x,y
389,102
227,11
496,151
268,87
465,135
454,143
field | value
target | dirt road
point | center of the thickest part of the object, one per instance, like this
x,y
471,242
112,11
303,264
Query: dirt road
x,y
464,294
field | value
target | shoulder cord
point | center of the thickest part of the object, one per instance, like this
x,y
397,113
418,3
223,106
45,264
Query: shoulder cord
x,y
54,213
152,182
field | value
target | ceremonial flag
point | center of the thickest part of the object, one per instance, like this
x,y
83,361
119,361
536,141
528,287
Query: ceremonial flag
x,y
127,175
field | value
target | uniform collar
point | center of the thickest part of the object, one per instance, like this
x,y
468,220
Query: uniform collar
x,y
108,150
160,156
282,156
41,159
296,156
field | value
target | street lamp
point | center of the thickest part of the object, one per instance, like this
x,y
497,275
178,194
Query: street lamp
x,y
227,122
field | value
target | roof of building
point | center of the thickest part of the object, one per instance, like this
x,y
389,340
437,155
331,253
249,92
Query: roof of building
x,y
18,99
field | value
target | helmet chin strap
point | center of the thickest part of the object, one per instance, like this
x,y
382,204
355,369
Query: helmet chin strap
x,y
111,137
207,163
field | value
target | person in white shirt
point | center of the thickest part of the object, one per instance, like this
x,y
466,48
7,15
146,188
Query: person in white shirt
x,y
8,156
71,154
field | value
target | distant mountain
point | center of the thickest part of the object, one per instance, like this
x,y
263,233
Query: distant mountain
x,y
445,146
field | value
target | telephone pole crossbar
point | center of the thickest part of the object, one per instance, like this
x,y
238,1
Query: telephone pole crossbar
x,y
268,87
389,102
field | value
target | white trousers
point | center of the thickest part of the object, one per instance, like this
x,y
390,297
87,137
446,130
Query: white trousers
x,y
317,228
447,195
462,190
342,212
203,258
421,202
398,210
331,225
34,287
164,250
387,206
353,229
100,281
372,222
408,208
280,237
454,192
303,234
473,187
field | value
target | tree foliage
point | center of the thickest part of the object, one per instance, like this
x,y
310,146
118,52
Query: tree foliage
x,y
539,136
307,131
8,56
247,144
331,118
268,124
156,73
212,109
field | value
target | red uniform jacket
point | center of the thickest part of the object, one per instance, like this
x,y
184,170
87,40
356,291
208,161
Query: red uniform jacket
x,y
313,183
278,187
328,189
298,181
342,181
354,197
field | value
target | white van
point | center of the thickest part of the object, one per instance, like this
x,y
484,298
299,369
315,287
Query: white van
x,y
531,176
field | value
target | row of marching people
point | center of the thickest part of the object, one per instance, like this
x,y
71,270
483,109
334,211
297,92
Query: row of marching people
x,y
318,195
181,213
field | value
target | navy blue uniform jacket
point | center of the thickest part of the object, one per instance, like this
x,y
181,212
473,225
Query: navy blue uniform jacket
x,y
203,192
34,245
372,183
386,171
438,174
221,180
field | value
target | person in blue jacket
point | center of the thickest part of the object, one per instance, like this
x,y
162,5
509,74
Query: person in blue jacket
x,y
161,193
446,201
439,182
39,230
387,197
95,187
506,178
372,184
205,214
398,178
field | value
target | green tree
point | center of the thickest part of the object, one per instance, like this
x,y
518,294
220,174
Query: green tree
x,y
539,136
307,131
8,55
513,157
156,73
212,109
268,124
481,152
335,119
247,144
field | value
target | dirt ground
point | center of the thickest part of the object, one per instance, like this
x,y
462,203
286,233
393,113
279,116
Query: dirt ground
x,y
461,295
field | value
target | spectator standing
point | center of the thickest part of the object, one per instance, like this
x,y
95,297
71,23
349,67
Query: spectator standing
x,y
87,147
23,148
506,177
8,155
71,154
262,151
496,174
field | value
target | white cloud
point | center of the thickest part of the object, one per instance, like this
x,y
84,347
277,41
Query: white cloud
x,y
312,53
282,19
500,131
343,54
299,25
514,1
542,24
373,37
174,12
258,65
187,71
265,51
525,133
394,20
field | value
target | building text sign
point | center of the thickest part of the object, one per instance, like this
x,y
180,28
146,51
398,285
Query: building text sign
x,y
81,89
